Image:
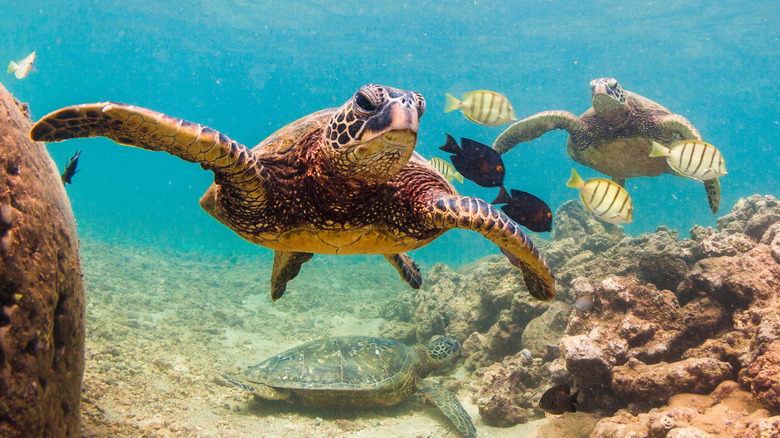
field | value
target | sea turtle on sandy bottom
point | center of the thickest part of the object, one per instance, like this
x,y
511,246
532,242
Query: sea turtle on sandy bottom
x,y
339,181
356,372
614,136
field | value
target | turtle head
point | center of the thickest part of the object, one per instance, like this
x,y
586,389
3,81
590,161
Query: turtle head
x,y
609,98
442,348
372,136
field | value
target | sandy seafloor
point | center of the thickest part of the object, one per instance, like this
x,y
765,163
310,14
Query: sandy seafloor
x,y
161,325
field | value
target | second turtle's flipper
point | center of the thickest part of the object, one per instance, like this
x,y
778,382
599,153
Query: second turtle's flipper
x,y
407,267
535,126
450,406
150,130
712,186
447,211
287,264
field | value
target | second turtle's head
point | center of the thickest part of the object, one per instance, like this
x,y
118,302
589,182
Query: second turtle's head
x,y
442,348
608,96
372,136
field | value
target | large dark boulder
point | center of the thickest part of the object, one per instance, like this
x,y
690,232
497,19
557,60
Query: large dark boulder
x,y
41,289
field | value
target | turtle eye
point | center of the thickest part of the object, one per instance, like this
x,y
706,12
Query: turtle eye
x,y
611,83
364,103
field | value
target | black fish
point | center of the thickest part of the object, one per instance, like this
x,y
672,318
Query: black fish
x,y
476,161
558,400
525,209
70,168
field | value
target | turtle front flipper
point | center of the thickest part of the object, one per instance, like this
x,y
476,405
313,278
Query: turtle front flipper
x,y
259,389
287,264
450,406
407,267
679,125
535,126
147,129
712,187
448,211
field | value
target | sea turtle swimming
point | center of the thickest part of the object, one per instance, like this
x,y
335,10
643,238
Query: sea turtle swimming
x,y
356,372
339,181
614,136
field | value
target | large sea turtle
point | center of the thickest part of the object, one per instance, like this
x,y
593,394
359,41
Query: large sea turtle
x,y
614,136
356,372
339,181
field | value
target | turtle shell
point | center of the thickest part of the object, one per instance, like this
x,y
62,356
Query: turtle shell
x,y
343,371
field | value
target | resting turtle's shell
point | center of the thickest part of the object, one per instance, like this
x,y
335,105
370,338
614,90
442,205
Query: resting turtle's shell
x,y
356,372
364,370
614,136
339,181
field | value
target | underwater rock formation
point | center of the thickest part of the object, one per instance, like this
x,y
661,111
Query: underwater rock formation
x,y
727,411
484,305
508,393
41,289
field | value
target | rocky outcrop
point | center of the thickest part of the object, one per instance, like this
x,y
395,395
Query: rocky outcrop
x,y
726,412
41,289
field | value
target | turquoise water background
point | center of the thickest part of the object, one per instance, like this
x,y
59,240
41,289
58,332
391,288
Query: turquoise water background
x,y
247,68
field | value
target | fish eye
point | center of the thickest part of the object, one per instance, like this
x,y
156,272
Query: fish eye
x,y
500,168
364,103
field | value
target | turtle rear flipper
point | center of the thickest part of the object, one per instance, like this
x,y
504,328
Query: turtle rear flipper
x,y
537,125
259,389
147,129
407,267
712,187
450,406
447,211
287,264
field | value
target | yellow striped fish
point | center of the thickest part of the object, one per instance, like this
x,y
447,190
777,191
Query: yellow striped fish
x,y
604,198
693,158
445,169
482,106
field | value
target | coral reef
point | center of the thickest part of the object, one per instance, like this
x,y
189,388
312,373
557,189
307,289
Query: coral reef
x,y
727,412
41,289
653,316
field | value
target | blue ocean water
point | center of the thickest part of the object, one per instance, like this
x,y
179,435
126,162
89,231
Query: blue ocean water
x,y
248,68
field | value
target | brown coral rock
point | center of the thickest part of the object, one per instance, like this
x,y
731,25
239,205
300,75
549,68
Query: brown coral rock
x,y
41,289
635,321
508,392
763,376
655,384
727,412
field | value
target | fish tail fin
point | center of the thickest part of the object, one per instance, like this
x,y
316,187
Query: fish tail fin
x,y
451,145
575,181
12,67
503,197
451,103
659,150
458,177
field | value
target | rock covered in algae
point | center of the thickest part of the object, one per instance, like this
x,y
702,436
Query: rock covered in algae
x,y
725,412
41,289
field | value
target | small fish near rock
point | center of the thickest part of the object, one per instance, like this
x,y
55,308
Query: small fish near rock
x,y
70,168
22,68
604,198
694,159
525,209
476,161
558,400
482,106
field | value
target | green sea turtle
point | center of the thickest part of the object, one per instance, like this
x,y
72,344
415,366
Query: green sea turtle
x,y
339,181
356,372
614,136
